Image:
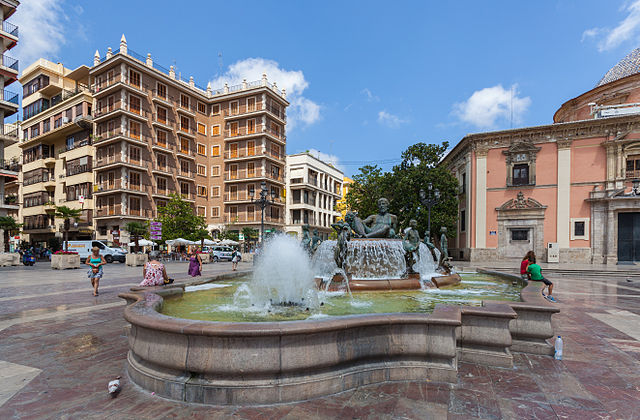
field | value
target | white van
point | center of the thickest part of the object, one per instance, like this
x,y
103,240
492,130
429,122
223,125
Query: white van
x,y
108,250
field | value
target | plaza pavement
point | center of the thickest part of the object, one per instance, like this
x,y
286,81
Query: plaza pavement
x,y
60,346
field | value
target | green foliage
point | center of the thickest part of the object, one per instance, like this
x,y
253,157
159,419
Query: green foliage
x,y
136,231
250,234
66,213
9,225
179,219
200,235
54,244
229,234
402,185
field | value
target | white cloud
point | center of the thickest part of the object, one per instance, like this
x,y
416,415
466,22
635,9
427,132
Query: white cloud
x,y
390,120
302,110
41,24
627,29
327,158
487,105
370,96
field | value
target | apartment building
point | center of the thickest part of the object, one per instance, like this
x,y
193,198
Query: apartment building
x,y
343,208
313,190
57,154
9,168
157,133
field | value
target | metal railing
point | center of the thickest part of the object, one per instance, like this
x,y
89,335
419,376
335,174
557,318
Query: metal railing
x,y
9,131
108,135
10,62
117,210
119,184
109,159
256,218
78,169
10,28
8,96
10,165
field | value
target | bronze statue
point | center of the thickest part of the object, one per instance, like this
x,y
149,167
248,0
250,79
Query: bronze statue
x,y
306,239
410,243
315,242
343,230
355,223
383,224
444,244
430,245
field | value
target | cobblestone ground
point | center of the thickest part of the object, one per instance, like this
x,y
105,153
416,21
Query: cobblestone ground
x,y
60,346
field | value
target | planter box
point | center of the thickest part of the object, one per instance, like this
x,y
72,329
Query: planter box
x,y
136,260
9,258
206,258
64,261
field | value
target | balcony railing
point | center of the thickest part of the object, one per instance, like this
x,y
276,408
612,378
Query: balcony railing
x,y
166,120
9,28
108,135
119,184
124,106
10,165
255,219
244,109
9,131
244,131
110,159
187,174
7,96
78,169
10,62
186,152
188,196
243,195
164,168
117,210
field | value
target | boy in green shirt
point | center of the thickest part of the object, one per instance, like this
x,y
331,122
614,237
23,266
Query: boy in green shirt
x,y
536,275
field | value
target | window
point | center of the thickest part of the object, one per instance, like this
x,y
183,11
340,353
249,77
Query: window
x,y
521,174
580,229
251,170
202,108
134,104
233,193
161,161
233,129
233,150
202,149
134,130
134,154
275,150
251,126
134,206
215,109
202,170
57,120
251,213
202,211
233,108
134,78
184,101
251,104
251,148
233,170
184,146
162,185
463,187
184,189
161,116
202,191
215,191
185,168
79,110
161,137
161,203
215,211
184,124
162,91
633,166
519,234
215,150
463,221
215,170
215,130
202,129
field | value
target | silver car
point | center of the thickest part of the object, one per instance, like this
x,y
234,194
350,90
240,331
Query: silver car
x,y
221,253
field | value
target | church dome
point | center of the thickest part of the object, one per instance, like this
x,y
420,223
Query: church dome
x,y
625,67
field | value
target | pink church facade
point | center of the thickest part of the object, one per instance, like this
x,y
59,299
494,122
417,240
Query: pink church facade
x,y
563,189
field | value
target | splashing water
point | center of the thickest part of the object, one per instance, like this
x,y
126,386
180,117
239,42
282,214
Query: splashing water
x,y
282,276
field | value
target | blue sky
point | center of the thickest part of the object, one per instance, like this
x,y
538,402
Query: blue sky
x,y
366,79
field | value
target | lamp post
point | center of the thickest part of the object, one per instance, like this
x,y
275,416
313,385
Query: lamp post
x,y
263,201
429,200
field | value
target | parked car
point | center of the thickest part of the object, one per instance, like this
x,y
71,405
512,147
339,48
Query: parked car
x,y
108,250
221,253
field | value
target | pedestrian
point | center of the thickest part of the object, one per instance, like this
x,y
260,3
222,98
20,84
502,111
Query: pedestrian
x,y
154,272
235,258
535,271
95,263
195,263
525,263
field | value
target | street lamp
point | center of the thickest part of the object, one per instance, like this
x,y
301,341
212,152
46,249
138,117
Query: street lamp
x,y
429,200
263,201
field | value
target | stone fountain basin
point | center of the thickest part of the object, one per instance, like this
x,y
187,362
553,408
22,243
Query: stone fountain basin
x,y
243,363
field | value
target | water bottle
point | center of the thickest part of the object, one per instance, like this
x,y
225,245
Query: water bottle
x,y
558,354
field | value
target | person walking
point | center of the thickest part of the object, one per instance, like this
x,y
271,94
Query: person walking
x,y
95,263
535,272
235,259
195,263
154,272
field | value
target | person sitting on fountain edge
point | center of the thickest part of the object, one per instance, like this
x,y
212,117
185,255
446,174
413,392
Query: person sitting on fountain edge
x,y
536,275
383,224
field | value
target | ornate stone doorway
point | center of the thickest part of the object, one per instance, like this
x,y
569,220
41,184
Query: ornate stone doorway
x,y
521,228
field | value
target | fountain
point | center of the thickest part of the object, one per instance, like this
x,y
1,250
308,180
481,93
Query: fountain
x,y
313,321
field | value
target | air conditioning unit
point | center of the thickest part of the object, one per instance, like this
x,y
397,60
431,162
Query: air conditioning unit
x,y
65,120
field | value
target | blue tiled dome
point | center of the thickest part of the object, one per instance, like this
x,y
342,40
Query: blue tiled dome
x,y
625,67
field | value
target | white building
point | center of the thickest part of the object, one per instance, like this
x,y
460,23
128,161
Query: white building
x,y
313,188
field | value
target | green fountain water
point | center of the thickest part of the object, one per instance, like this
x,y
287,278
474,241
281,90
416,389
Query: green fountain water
x,y
226,301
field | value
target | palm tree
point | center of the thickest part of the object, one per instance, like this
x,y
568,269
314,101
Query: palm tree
x,y
136,230
8,224
67,213
200,235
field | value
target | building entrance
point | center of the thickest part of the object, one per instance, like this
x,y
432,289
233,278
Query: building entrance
x,y
629,237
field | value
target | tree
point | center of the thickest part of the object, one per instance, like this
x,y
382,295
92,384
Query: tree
x,y
8,225
179,219
402,186
136,230
67,213
229,234
200,235
250,234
